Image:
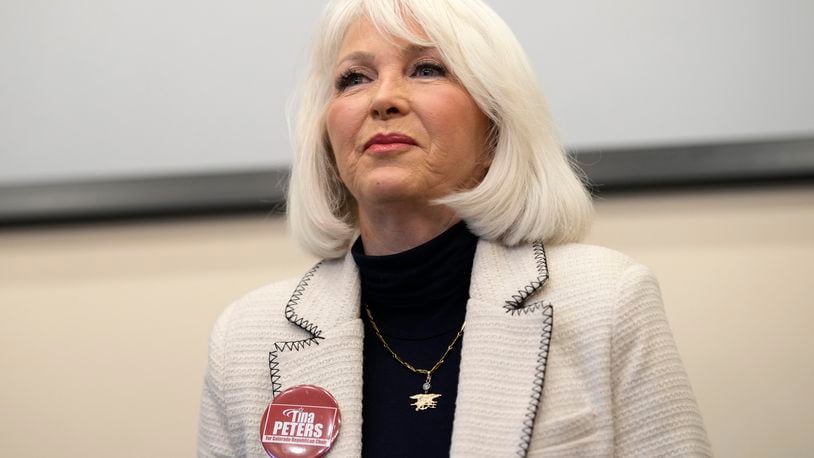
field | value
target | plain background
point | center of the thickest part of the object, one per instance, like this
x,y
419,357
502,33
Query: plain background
x,y
106,89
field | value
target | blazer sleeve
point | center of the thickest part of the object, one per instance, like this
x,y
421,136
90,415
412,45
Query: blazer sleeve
x,y
213,432
654,409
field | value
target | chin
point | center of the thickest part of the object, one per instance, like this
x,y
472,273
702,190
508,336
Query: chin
x,y
389,195
389,188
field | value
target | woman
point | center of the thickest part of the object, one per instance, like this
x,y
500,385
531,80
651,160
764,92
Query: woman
x,y
452,312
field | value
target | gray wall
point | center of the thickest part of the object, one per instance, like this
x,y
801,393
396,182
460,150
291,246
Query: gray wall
x,y
107,89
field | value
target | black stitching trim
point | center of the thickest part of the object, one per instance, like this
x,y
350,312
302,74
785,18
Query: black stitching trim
x,y
539,379
274,373
290,315
294,345
515,304
533,307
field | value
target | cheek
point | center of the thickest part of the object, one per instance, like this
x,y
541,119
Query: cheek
x,y
457,126
342,127
342,123
334,127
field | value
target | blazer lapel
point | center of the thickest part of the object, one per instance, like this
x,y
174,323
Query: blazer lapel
x,y
325,306
505,350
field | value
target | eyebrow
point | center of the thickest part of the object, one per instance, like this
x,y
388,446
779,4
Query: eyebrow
x,y
413,49
357,56
366,57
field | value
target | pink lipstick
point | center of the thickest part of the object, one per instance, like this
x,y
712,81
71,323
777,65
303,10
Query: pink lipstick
x,y
389,142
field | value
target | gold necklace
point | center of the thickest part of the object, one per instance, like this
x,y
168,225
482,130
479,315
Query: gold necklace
x,y
425,400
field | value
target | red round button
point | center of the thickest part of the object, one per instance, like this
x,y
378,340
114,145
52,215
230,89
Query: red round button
x,y
302,421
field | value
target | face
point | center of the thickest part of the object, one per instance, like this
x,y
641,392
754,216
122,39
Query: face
x,y
402,128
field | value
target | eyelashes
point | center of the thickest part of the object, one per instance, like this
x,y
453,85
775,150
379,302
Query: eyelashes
x,y
350,77
429,70
355,76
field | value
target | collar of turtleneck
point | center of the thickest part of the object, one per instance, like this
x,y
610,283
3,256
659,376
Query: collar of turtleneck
x,y
422,292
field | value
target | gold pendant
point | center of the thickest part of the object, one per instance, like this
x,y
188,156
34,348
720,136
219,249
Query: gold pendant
x,y
424,401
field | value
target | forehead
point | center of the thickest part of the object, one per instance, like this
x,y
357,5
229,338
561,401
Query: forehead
x,y
363,36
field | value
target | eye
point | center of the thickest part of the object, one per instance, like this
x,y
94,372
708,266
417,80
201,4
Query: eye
x,y
429,70
350,78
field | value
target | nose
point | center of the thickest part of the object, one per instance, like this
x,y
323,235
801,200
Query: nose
x,y
390,99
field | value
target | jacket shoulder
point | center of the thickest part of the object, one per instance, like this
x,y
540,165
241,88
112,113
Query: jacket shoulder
x,y
588,261
262,300
258,316
590,282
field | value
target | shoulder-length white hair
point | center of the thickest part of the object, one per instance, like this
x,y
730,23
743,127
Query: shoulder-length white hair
x,y
530,191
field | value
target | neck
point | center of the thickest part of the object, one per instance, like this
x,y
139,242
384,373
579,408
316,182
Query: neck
x,y
393,230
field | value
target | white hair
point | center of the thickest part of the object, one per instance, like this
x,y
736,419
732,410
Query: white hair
x,y
530,191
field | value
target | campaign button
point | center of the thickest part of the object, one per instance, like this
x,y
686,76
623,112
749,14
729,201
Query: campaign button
x,y
302,421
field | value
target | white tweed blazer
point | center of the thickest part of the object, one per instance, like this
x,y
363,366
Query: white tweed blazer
x,y
567,352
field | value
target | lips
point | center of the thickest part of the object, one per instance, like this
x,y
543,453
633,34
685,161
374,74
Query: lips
x,y
389,141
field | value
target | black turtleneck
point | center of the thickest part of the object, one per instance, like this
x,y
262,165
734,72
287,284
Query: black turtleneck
x,y
418,300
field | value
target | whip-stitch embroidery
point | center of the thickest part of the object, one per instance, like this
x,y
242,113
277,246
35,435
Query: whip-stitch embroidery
x,y
294,345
